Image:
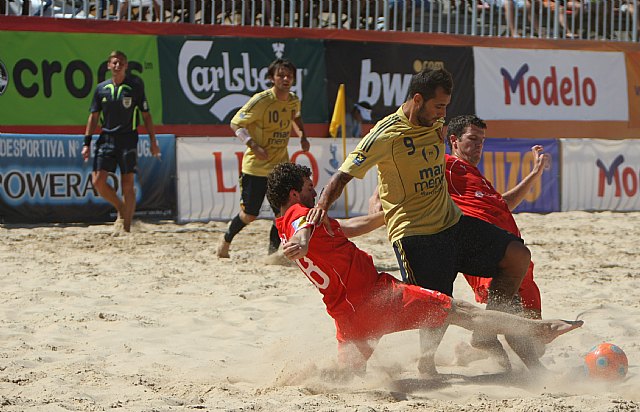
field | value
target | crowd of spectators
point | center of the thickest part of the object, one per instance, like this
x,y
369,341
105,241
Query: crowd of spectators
x,y
567,19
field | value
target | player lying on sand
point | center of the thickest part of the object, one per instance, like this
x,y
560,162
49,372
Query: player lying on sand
x,y
366,304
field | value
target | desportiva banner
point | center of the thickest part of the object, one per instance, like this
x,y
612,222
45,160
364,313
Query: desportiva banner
x,y
43,178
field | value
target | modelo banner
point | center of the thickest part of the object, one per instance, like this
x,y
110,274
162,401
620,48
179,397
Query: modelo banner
x,y
208,171
43,178
600,174
380,73
49,78
205,80
505,162
519,84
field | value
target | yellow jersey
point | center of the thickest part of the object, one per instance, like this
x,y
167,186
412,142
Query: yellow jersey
x,y
269,122
411,175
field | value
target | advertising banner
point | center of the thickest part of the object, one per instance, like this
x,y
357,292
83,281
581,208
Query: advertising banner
x,y
209,168
600,174
205,80
505,162
379,73
49,78
43,178
518,84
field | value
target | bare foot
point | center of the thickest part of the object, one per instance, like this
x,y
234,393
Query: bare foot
x,y
127,225
118,225
551,329
465,354
493,347
223,249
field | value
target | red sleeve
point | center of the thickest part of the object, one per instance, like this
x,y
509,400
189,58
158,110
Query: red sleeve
x,y
456,177
294,219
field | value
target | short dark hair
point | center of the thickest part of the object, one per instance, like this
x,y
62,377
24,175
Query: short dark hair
x,y
117,53
458,124
283,178
428,80
278,63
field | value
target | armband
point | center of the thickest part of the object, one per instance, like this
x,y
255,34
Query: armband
x,y
87,140
242,135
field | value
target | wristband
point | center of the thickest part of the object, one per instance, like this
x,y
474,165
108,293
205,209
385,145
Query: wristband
x,y
243,136
87,139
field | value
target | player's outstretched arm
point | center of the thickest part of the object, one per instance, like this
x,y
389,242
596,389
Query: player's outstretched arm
x,y
360,225
516,195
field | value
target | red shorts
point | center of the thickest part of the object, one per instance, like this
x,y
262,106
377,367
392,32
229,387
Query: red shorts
x,y
392,307
529,292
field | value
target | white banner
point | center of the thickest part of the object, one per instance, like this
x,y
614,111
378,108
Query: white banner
x,y
518,84
600,174
208,171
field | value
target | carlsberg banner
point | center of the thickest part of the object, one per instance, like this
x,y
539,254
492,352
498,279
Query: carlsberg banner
x,y
205,80
49,78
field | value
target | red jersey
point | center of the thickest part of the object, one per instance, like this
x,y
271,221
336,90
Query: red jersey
x,y
344,274
475,195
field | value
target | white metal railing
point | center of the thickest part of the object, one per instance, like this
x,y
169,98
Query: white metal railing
x,y
615,20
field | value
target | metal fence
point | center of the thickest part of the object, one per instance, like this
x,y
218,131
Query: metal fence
x,y
614,20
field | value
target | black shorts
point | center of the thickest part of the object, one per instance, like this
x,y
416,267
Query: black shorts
x,y
253,191
471,246
116,151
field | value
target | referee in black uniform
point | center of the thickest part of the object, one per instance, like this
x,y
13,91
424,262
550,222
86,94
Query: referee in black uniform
x,y
120,100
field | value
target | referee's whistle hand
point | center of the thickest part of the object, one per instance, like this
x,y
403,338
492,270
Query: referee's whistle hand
x,y
86,151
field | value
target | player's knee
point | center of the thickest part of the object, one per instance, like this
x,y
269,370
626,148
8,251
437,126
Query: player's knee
x,y
247,218
99,180
516,260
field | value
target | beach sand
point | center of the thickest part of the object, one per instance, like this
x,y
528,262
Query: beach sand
x,y
153,321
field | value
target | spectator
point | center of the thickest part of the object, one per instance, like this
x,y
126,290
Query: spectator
x,y
361,112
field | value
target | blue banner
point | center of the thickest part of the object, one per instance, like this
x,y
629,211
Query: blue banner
x,y
506,161
43,178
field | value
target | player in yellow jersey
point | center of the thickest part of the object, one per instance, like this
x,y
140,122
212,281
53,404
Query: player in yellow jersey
x,y
432,240
264,124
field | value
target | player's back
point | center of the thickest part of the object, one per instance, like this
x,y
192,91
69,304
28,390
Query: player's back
x,y
342,272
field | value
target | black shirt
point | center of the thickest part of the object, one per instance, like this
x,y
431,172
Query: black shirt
x,y
120,104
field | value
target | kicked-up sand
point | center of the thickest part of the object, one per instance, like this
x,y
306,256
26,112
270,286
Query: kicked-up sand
x,y
153,321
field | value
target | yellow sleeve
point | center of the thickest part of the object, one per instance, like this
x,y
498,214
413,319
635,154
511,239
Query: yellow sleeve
x,y
250,112
372,149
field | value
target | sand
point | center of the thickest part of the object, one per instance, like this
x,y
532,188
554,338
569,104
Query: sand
x,y
153,321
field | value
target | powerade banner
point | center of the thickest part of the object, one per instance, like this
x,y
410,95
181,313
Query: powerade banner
x,y
379,73
505,162
49,78
205,80
43,178
600,174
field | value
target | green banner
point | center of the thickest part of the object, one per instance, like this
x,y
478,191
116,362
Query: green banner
x,y
49,78
205,80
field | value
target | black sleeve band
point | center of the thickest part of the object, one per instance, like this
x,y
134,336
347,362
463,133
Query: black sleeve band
x,y
87,139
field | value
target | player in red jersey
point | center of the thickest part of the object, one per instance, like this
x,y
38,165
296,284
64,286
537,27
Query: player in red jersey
x,y
476,197
366,304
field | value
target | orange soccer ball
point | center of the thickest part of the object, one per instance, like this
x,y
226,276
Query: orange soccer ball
x,y
606,361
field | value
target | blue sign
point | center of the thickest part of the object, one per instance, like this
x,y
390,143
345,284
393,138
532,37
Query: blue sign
x,y
43,178
505,162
